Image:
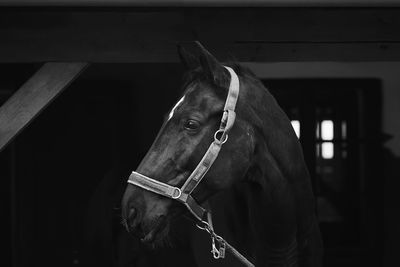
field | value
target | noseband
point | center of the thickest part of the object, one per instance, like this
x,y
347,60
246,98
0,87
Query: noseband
x,y
184,194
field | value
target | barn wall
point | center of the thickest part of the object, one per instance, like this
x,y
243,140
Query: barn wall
x,y
388,72
71,164
296,39
245,34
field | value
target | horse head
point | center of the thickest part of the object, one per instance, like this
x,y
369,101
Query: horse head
x,y
185,136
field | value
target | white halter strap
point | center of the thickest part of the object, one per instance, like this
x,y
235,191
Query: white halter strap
x,y
183,194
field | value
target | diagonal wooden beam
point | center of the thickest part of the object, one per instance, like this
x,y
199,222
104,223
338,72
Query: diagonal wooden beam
x,y
25,104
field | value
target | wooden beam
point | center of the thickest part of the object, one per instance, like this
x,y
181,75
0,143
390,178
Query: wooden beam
x,y
43,87
249,34
199,3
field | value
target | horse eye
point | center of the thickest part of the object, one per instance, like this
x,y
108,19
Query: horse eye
x,y
191,125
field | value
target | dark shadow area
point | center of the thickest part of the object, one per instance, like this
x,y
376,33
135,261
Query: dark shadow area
x,y
339,123
63,177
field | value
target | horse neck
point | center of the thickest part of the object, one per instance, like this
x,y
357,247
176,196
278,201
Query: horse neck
x,y
281,201
251,222
264,203
275,140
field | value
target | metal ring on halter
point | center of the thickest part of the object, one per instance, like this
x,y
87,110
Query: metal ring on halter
x,y
178,193
219,141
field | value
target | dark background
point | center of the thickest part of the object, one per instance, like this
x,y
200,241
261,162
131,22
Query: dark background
x,y
63,176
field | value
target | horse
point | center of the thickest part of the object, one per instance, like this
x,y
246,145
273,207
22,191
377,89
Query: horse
x,y
267,200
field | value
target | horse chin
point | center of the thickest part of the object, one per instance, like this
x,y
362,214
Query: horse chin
x,y
157,235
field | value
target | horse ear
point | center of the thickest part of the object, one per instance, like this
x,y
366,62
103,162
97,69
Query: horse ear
x,y
214,70
199,56
189,60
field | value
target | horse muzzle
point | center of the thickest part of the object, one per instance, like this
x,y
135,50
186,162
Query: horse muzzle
x,y
145,215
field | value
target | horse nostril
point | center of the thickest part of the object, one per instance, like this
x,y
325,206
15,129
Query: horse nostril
x,y
132,214
133,219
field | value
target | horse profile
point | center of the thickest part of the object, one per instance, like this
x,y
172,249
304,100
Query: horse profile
x,y
267,201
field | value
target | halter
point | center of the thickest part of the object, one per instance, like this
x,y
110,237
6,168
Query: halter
x,y
183,194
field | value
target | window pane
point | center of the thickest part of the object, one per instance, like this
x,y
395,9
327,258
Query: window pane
x,y
344,130
296,127
327,130
327,150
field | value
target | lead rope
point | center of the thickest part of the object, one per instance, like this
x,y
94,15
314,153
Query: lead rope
x,y
218,251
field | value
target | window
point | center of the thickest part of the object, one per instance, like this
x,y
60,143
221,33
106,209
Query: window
x,y
332,119
296,127
326,128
